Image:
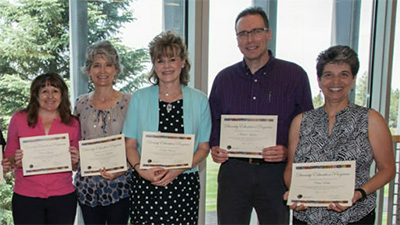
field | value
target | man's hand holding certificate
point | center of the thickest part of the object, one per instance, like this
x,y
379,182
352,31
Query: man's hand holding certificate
x,y
320,184
166,150
247,135
46,154
108,152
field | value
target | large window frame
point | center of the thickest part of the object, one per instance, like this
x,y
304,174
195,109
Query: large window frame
x,y
196,31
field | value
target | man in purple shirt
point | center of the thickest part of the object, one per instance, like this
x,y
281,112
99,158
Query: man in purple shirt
x,y
258,85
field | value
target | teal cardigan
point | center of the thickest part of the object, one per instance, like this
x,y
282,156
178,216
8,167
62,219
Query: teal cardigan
x,y
143,115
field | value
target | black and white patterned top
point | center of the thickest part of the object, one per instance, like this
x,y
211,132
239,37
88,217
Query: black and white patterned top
x,y
348,141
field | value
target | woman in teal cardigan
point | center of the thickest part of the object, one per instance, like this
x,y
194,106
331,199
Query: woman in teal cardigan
x,y
159,195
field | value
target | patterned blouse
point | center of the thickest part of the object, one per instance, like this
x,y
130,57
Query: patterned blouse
x,y
94,190
347,141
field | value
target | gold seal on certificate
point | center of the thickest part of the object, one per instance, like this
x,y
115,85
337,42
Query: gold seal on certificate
x,y
166,150
322,183
45,154
247,135
108,152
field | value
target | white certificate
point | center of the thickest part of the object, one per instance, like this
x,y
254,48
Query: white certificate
x,y
108,152
247,135
45,154
167,150
322,183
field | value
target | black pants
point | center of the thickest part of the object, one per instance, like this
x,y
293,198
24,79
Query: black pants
x,y
243,186
117,213
51,210
367,220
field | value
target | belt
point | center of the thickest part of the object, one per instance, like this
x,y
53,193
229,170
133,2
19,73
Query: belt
x,y
253,161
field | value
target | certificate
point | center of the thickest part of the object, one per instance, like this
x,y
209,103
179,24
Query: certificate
x,y
322,183
247,135
167,150
108,152
45,154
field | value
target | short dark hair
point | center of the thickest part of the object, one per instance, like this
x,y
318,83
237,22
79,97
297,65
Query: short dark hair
x,y
253,11
169,44
338,54
48,79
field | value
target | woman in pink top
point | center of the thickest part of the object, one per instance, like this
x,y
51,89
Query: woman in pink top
x,y
47,198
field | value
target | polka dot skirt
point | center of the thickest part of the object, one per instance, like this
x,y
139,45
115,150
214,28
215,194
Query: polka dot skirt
x,y
177,203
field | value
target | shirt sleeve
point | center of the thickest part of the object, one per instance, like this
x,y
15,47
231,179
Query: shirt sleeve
x,y
76,134
130,129
205,121
12,137
216,111
303,96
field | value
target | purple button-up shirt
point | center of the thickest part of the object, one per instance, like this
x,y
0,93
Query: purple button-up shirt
x,y
278,88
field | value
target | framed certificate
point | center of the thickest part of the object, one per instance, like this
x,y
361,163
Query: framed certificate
x,y
45,154
247,135
320,184
167,150
108,152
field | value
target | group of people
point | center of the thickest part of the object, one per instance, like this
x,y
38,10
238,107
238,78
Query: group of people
x,y
259,85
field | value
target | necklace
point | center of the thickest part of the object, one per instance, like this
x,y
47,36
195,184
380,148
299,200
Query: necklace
x,y
167,94
169,107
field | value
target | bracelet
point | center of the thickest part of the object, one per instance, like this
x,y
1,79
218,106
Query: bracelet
x,y
363,193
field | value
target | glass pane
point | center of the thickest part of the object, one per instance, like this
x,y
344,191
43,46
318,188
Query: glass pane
x,y
364,44
394,99
304,29
146,26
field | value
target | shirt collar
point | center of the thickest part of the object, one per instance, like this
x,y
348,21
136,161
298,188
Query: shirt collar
x,y
266,67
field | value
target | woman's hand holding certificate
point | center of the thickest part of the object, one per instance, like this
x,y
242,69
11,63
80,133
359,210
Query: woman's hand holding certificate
x,y
45,154
106,153
166,150
322,184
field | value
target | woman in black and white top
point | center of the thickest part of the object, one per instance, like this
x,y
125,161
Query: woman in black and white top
x,y
339,131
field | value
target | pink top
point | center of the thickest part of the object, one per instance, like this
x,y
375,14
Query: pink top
x,y
46,185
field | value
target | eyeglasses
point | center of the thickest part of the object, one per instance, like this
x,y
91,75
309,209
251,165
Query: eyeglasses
x,y
255,33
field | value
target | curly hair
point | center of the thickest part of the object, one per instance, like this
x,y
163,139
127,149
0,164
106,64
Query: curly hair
x,y
168,44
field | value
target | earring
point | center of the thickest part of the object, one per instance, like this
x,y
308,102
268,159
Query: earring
x,y
114,80
90,81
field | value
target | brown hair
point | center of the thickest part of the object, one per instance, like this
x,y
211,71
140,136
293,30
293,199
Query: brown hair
x,y
48,79
169,44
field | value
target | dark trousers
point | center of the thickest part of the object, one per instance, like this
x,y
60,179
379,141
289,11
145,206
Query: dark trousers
x,y
51,210
243,186
117,213
367,220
